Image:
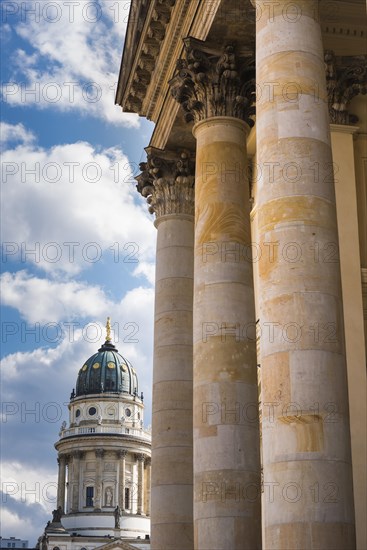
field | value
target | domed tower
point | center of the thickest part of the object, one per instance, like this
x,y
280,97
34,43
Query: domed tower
x,y
104,452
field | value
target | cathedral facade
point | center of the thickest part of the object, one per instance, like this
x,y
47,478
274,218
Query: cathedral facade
x,y
256,177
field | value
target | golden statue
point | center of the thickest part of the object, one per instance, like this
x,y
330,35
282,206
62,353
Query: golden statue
x,y
108,329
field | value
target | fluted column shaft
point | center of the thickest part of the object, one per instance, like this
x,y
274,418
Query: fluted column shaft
x,y
306,440
61,482
169,188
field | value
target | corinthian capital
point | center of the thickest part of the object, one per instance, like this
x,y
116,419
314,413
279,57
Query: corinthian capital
x,y
210,83
167,182
139,457
346,77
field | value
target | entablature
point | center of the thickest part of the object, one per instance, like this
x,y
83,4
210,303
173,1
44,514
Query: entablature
x,y
143,86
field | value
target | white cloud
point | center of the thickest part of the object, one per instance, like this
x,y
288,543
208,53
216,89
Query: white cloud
x,y
10,133
76,60
60,300
73,206
34,485
5,33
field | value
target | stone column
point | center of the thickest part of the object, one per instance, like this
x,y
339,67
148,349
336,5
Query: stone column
x,y
147,463
77,455
167,181
98,481
305,420
215,90
122,477
61,482
140,460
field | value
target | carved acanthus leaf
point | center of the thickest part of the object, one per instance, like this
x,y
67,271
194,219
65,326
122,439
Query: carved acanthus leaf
x,y
209,84
167,182
346,77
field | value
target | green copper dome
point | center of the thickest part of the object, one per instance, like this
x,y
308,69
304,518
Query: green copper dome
x,y
106,372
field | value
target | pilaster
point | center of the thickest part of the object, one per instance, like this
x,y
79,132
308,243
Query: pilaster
x,y
342,140
98,480
75,495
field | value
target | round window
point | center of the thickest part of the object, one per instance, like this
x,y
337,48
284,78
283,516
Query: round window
x,y
77,413
96,365
92,411
128,412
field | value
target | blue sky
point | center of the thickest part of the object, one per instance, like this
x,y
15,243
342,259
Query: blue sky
x,y
78,243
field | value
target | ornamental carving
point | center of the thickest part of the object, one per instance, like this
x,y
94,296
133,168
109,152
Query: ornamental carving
x,y
210,83
122,454
160,17
167,182
139,457
346,77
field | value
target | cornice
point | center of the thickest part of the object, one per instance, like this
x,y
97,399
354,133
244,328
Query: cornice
x,y
196,22
344,129
131,95
137,14
164,62
146,92
126,439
